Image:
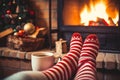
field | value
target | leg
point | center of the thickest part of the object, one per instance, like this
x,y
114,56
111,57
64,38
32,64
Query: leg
x,y
27,75
64,69
87,62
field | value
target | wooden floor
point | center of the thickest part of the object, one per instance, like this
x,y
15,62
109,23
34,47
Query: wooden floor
x,y
108,61
108,66
103,74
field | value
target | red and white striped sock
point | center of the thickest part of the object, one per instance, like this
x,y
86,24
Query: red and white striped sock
x,y
65,69
87,62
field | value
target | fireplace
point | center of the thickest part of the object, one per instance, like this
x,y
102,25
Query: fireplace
x,y
73,17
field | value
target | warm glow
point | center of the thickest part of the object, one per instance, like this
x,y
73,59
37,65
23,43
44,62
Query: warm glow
x,y
96,11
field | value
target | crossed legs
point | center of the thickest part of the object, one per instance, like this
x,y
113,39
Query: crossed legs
x,y
80,58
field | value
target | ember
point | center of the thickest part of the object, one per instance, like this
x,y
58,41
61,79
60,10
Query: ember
x,y
98,22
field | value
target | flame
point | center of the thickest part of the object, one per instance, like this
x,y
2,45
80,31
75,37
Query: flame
x,y
97,10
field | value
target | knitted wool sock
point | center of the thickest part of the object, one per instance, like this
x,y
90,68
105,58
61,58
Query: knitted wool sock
x,y
87,62
64,69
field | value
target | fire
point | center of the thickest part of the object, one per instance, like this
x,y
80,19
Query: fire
x,y
95,12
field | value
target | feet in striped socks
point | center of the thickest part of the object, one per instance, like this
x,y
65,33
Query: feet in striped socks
x,y
66,68
87,62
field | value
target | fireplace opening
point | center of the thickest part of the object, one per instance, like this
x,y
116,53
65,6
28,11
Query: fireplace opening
x,y
90,13
100,17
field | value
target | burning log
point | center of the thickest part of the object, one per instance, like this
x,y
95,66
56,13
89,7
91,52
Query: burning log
x,y
111,22
98,22
93,23
102,22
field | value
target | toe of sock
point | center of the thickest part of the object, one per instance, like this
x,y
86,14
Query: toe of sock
x,y
76,34
92,38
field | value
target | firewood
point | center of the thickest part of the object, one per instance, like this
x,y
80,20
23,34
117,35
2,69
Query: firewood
x,y
102,21
111,22
93,23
